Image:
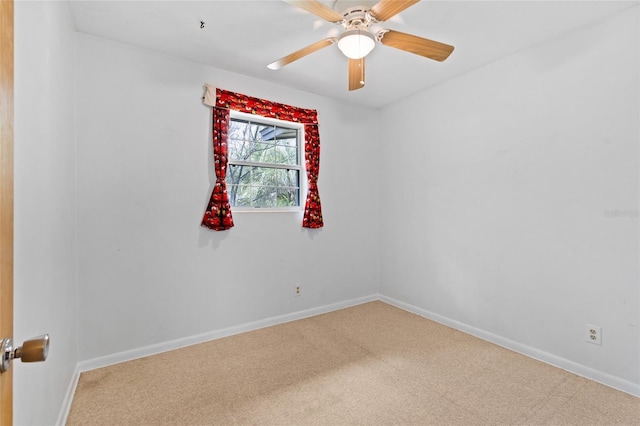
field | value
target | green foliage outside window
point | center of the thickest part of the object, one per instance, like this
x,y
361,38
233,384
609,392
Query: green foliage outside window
x,y
264,165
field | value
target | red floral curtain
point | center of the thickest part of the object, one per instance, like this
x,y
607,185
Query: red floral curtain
x,y
225,101
312,209
218,214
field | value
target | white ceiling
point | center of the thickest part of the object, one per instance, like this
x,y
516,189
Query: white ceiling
x,y
244,36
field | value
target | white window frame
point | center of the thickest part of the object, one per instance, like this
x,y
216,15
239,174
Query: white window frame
x,y
301,166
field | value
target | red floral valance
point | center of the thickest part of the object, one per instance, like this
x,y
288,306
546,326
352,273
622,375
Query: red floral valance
x,y
264,108
218,211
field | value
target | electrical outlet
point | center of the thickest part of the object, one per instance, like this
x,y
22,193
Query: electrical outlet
x,y
593,334
297,290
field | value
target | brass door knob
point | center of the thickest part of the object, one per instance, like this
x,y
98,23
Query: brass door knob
x,y
32,350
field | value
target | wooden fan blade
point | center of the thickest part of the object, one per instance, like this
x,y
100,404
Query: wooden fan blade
x,y
386,9
318,9
418,45
302,53
356,74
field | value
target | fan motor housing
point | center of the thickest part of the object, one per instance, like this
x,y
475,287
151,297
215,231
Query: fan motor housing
x,y
356,18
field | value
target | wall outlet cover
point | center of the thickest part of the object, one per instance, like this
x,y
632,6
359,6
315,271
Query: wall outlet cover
x,y
593,334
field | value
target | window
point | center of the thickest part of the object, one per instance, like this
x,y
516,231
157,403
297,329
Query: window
x,y
279,185
264,163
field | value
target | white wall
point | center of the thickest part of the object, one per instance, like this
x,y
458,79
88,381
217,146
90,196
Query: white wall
x,y
148,273
45,206
494,216
501,179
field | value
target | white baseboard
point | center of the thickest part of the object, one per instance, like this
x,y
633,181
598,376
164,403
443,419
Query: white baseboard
x,y
104,361
116,358
565,364
68,398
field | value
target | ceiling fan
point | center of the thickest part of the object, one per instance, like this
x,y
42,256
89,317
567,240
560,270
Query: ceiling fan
x,y
362,31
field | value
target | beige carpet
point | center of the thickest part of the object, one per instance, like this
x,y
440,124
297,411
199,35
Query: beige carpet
x,y
372,364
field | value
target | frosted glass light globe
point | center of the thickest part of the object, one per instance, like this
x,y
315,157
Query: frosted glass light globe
x,y
356,44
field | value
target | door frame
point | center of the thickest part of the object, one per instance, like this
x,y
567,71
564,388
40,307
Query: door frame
x,y
6,200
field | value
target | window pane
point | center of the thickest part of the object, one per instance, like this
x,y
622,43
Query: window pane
x,y
286,136
293,178
237,145
262,143
240,195
268,133
289,155
287,197
253,186
256,184
270,155
259,152
256,131
265,196
237,174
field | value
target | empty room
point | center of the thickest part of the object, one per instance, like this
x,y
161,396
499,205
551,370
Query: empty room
x,y
320,212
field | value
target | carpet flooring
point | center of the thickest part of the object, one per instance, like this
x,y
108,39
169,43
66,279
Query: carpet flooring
x,y
372,364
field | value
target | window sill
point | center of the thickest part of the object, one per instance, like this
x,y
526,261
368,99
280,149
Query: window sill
x,y
235,210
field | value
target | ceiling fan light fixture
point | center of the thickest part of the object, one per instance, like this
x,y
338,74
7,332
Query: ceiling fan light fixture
x,y
356,44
